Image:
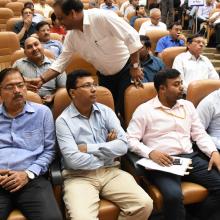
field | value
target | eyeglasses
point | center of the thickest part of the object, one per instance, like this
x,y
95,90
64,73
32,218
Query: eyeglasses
x,y
28,13
88,86
199,42
156,19
11,87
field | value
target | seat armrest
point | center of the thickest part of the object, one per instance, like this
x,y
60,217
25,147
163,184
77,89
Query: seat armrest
x,y
55,172
132,158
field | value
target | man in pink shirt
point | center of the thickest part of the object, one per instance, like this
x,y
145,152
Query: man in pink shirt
x,y
165,126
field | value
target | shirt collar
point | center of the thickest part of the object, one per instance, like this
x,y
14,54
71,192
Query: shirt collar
x,y
45,61
27,109
158,104
74,112
190,56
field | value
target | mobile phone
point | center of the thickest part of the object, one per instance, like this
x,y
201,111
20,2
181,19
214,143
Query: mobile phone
x,y
177,161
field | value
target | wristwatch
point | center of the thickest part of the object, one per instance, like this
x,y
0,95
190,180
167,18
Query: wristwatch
x,y
30,175
135,65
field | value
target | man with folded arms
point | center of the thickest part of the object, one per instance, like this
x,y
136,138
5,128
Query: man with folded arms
x,y
164,126
90,138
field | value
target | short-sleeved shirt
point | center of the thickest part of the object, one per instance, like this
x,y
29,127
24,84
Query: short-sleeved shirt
x,y
31,70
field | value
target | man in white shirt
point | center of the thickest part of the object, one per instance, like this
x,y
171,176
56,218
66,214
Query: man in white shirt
x,y
209,113
192,65
103,39
44,7
164,127
154,23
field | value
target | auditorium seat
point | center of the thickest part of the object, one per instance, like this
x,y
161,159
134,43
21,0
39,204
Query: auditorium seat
x,y
192,193
16,7
77,62
11,23
199,89
4,2
8,44
168,55
5,14
138,22
154,36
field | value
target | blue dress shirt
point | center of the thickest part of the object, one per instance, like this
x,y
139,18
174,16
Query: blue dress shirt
x,y
27,141
54,46
167,41
73,129
150,67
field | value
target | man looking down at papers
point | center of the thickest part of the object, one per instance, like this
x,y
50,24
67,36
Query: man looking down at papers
x,y
165,126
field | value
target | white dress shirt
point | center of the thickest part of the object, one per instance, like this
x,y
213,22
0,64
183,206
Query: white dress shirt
x,y
169,130
147,26
209,113
192,69
106,42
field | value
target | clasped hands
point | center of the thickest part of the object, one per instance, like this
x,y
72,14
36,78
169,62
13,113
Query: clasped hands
x,y
13,180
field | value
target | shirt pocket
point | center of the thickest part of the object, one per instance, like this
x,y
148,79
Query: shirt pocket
x,y
32,139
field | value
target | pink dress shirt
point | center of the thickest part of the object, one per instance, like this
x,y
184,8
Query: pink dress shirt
x,y
170,130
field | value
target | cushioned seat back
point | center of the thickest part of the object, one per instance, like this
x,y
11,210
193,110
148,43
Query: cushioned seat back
x,y
138,22
5,14
4,2
55,36
136,96
154,36
11,23
77,62
16,7
62,100
168,55
199,89
8,44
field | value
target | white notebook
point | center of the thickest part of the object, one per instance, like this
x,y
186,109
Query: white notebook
x,y
180,170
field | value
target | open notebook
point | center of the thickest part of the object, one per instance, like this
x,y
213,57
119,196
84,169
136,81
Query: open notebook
x,y
180,170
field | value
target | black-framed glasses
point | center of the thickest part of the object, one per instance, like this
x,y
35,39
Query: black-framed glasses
x,y
88,86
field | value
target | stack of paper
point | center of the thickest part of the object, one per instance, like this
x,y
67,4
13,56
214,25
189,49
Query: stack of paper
x,y
180,170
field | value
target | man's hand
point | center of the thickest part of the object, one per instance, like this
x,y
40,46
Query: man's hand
x,y
3,175
27,23
47,99
111,135
33,84
161,158
82,148
15,180
181,37
137,75
214,160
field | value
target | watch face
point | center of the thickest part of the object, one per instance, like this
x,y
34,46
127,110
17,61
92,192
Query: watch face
x,y
30,175
135,65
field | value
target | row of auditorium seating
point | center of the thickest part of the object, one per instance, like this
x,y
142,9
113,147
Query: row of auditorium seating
x,y
192,193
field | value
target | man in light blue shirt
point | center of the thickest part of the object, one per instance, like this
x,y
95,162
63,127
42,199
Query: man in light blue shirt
x,y
26,149
174,39
209,113
108,5
90,139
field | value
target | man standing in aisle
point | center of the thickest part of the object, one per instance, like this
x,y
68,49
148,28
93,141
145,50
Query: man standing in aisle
x,y
103,39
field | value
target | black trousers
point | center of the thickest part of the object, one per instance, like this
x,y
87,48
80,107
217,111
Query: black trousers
x,y
117,84
169,185
35,200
